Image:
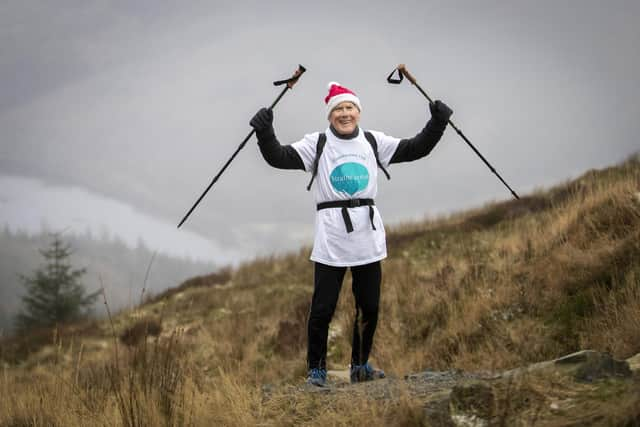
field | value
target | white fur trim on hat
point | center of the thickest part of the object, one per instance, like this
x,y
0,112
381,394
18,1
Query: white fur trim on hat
x,y
338,94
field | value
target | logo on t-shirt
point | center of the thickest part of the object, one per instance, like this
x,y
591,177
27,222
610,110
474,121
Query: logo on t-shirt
x,y
350,178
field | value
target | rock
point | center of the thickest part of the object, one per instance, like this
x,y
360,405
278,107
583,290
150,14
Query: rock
x,y
471,404
568,388
437,413
634,362
589,365
583,366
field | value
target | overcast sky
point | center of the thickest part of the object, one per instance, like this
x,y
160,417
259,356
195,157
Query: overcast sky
x,y
117,114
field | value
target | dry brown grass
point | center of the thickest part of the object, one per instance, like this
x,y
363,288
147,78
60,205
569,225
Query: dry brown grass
x,y
498,287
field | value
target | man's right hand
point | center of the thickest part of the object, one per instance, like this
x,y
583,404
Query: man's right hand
x,y
440,111
263,120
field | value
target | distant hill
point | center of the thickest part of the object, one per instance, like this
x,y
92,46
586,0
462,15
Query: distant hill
x,y
121,268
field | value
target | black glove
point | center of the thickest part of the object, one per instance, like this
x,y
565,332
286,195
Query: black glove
x,y
440,111
263,120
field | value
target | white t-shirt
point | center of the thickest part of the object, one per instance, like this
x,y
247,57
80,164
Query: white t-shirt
x,y
347,170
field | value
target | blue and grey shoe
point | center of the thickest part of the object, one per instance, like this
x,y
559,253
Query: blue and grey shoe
x,y
317,377
366,372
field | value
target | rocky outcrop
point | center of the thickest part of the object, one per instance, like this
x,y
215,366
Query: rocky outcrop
x,y
587,388
580,389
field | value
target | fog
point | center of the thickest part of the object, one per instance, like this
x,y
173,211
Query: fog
x,y
115,116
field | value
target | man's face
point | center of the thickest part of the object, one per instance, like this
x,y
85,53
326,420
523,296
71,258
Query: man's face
x,y
345,117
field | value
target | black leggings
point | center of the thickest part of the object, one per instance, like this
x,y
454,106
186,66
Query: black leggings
x,y
366,291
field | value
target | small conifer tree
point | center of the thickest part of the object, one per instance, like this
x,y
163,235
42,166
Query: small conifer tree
x,y
54,293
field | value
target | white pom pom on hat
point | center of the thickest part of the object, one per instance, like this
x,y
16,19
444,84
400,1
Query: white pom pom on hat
x,y
338,94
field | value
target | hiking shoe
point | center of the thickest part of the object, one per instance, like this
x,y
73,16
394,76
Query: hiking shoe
x,y
366,372
317,377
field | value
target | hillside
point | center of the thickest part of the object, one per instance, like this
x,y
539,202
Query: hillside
x,y
475,295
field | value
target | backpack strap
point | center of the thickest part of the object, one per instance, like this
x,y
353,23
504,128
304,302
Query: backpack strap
x,y
322,139
374,145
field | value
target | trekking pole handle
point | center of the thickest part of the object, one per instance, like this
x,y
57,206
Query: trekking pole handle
x,y
403,69
291,80
296,76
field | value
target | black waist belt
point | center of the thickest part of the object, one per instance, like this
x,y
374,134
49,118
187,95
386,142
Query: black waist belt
x,y
351,203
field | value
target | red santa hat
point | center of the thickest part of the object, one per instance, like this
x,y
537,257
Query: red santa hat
x,y
338,94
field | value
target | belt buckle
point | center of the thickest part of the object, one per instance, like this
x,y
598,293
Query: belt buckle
x,y
354,203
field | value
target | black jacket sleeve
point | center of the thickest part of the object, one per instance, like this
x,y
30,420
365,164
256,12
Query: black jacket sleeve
x,y
421,144
276,155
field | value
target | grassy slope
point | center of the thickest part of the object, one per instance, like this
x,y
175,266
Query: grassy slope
x,y
494,288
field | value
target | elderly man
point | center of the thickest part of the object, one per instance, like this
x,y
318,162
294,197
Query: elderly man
x,y
349,233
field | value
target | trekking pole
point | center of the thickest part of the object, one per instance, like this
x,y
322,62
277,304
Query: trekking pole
x,y
289,84
402,71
